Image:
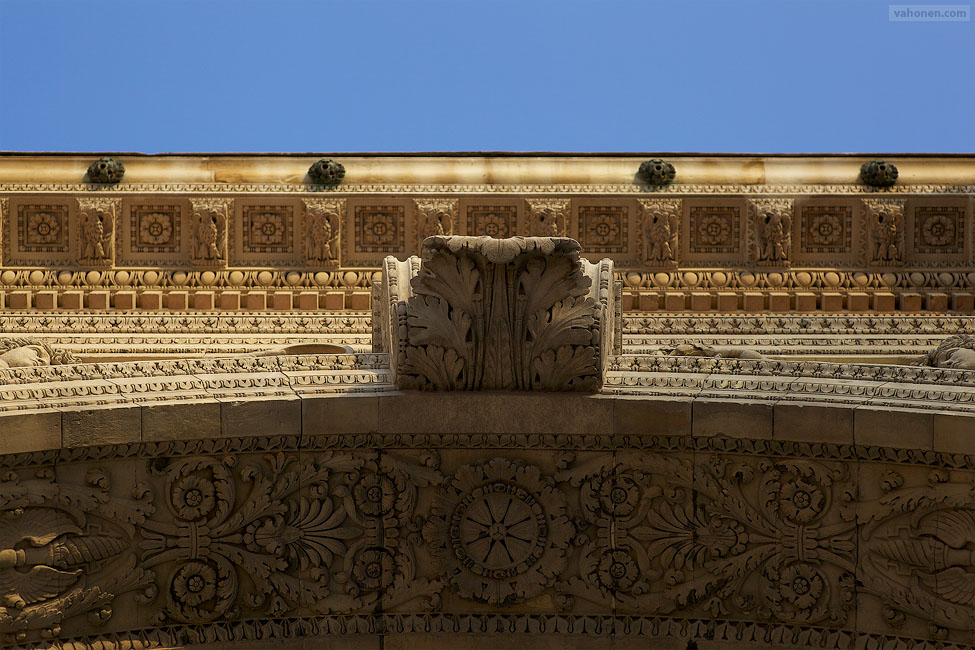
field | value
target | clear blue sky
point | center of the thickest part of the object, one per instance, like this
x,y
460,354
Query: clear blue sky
x,y
460,75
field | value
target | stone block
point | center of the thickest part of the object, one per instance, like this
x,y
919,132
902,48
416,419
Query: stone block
x,y
101,425
734,419
124,300
339,414
813,422
335,300
150,300
910,301
653,416
99,300
307,300
963,302
204,300
488,412
727,301
18,299
884,301
183,420
45,300
177,300
700,301
886,426
71,300
936,302
30,431
276,416
954,432
649,301
831,301
779,301
857,301
627,302
805,301
753,301
360,301
674,301
255,301
281,300
229,300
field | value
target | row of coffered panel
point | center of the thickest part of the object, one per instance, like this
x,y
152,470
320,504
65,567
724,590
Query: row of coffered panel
x,y
164,231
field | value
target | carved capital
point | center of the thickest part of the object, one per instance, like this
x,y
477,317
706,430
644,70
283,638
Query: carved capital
x,y
770,231
96,236
660,225
208,231
323,230
435,217
548,217
885,231
479,313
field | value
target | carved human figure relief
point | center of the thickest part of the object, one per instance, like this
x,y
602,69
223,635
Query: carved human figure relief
x,y
435,217
885,224
548,217
209,231
323,219
660,227
97,233
771,231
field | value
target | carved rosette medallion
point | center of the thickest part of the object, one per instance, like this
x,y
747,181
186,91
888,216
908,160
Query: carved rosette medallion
x,y
500,532
96,237
885,227
659,231
548,217
770,231
435,217
498,314
323,219
209,232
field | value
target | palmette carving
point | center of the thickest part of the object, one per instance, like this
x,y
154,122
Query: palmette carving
x,y
490,314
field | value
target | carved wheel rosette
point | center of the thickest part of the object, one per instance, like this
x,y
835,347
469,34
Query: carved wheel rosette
x,y
500,532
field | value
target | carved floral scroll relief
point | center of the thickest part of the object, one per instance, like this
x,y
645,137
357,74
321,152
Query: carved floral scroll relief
x,y
479,313
323,231
96,236
206,539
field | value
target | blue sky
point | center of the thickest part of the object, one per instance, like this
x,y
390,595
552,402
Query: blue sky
x,y
460,75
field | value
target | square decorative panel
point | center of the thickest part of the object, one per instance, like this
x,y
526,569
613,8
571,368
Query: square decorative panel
x,y
380,229
268,229
154,228
826,229
492,220
603,229
939,230
42,228
715,229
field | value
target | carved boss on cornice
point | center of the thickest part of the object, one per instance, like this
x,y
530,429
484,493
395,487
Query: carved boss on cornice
x,y
478,313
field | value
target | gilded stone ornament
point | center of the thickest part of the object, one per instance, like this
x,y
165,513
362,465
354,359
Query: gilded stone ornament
x,y
657,172
878,173
326,172
106,170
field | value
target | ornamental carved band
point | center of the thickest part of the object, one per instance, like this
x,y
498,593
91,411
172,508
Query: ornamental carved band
x,y
479,313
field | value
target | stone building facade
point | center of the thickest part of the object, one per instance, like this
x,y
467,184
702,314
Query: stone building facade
x,y
365,401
